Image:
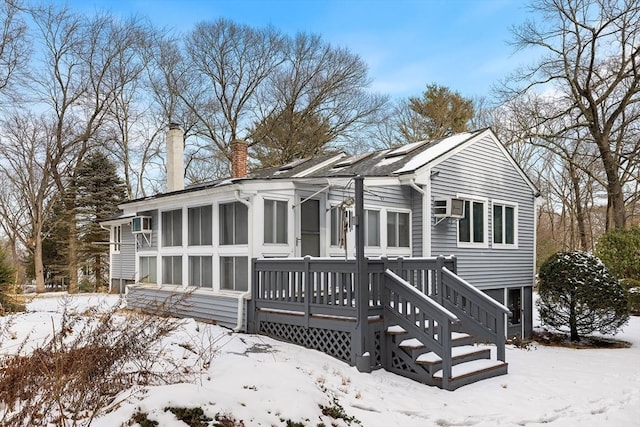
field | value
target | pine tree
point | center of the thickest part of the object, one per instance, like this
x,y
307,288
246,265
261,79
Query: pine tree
x,y
98,190
6,277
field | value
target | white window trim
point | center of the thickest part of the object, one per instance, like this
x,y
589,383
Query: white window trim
x,y
485,202
398,248
513,205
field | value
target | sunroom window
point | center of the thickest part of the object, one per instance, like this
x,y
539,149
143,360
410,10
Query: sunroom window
x,y
233,224
148,269
172,228
233,273
201,271
200,224
372,227
172,270
275,221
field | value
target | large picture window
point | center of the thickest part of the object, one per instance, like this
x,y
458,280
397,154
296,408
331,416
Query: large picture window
x,y
172,270
233,224
472,228
200,224
504,224
398,229
172,228
200,271
148,267
372,227
275,221
234,274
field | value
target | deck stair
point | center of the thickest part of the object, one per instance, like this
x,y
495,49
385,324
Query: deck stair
x,y
430,342
470,362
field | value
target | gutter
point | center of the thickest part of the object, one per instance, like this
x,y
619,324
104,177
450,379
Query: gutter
x,y
243,296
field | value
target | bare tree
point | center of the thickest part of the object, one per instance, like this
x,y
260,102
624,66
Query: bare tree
x,y
14,46
318,95
589,61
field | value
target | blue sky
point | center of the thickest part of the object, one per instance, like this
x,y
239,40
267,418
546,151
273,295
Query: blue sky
x,y
406,43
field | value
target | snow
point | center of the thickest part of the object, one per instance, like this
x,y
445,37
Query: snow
x,y
265,382
434,152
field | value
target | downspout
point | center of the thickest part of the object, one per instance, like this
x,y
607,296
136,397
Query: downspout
x,y
426,217
243,296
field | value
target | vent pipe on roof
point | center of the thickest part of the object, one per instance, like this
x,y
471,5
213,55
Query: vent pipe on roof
x,y
239,158
175,158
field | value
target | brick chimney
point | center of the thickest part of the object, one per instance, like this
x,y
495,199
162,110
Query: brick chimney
x,y
175,158
239,158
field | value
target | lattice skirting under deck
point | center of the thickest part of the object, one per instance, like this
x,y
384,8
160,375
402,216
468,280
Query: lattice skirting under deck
x,y
333,343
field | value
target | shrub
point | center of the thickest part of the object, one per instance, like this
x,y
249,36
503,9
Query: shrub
x,y
619,250
577,291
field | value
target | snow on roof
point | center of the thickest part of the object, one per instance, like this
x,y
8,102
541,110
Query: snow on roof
x,y
434,151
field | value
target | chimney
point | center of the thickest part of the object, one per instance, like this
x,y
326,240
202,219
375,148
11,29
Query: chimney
x,y
239,158
175,158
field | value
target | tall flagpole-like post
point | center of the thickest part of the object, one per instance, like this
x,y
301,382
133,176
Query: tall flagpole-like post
x,y
363,357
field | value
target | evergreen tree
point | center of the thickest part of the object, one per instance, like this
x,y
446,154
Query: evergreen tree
x,y
98,190
6,277
577,292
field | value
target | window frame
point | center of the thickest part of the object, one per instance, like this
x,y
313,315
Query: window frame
x,y
396,228
504,204
201,217
469,213
274,229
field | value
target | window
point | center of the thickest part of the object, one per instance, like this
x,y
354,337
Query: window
x,y
172,270
514,303
372,227
472,228
398,229
504,224
233,273
200,271
275,221
172,228
233,224
148,266
200,226
117,238
336,226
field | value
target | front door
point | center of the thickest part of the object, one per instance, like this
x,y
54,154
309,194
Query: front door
x,y
310,228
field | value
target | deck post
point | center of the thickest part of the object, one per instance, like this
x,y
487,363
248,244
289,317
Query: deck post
x,y
439,287
308,289
359,344
251,304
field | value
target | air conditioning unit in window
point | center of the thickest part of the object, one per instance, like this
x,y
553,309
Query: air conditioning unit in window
x,y
448,208
141,224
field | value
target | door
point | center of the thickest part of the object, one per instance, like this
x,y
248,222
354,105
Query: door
x,y
310,228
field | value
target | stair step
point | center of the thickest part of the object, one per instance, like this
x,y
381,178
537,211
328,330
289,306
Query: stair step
x,y
395,330
472,368
411,343
461,352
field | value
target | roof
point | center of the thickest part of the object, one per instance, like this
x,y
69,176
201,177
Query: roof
x,y
398,161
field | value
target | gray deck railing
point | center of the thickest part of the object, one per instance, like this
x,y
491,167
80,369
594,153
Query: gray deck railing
x,y
480,315
328,288
421,317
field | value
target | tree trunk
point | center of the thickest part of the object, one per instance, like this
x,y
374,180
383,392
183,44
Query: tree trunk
x,y
615,197
73,258
573,325
37,260
580,217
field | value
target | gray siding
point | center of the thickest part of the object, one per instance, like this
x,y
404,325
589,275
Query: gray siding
x,y
482,170
123,265
199,304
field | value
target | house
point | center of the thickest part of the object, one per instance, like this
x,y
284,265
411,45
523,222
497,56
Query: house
x,y
463,195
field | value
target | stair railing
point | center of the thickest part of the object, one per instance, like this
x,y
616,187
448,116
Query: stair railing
x,y
421,317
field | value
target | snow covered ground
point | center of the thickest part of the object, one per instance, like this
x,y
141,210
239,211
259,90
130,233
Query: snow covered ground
x,y
264,382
